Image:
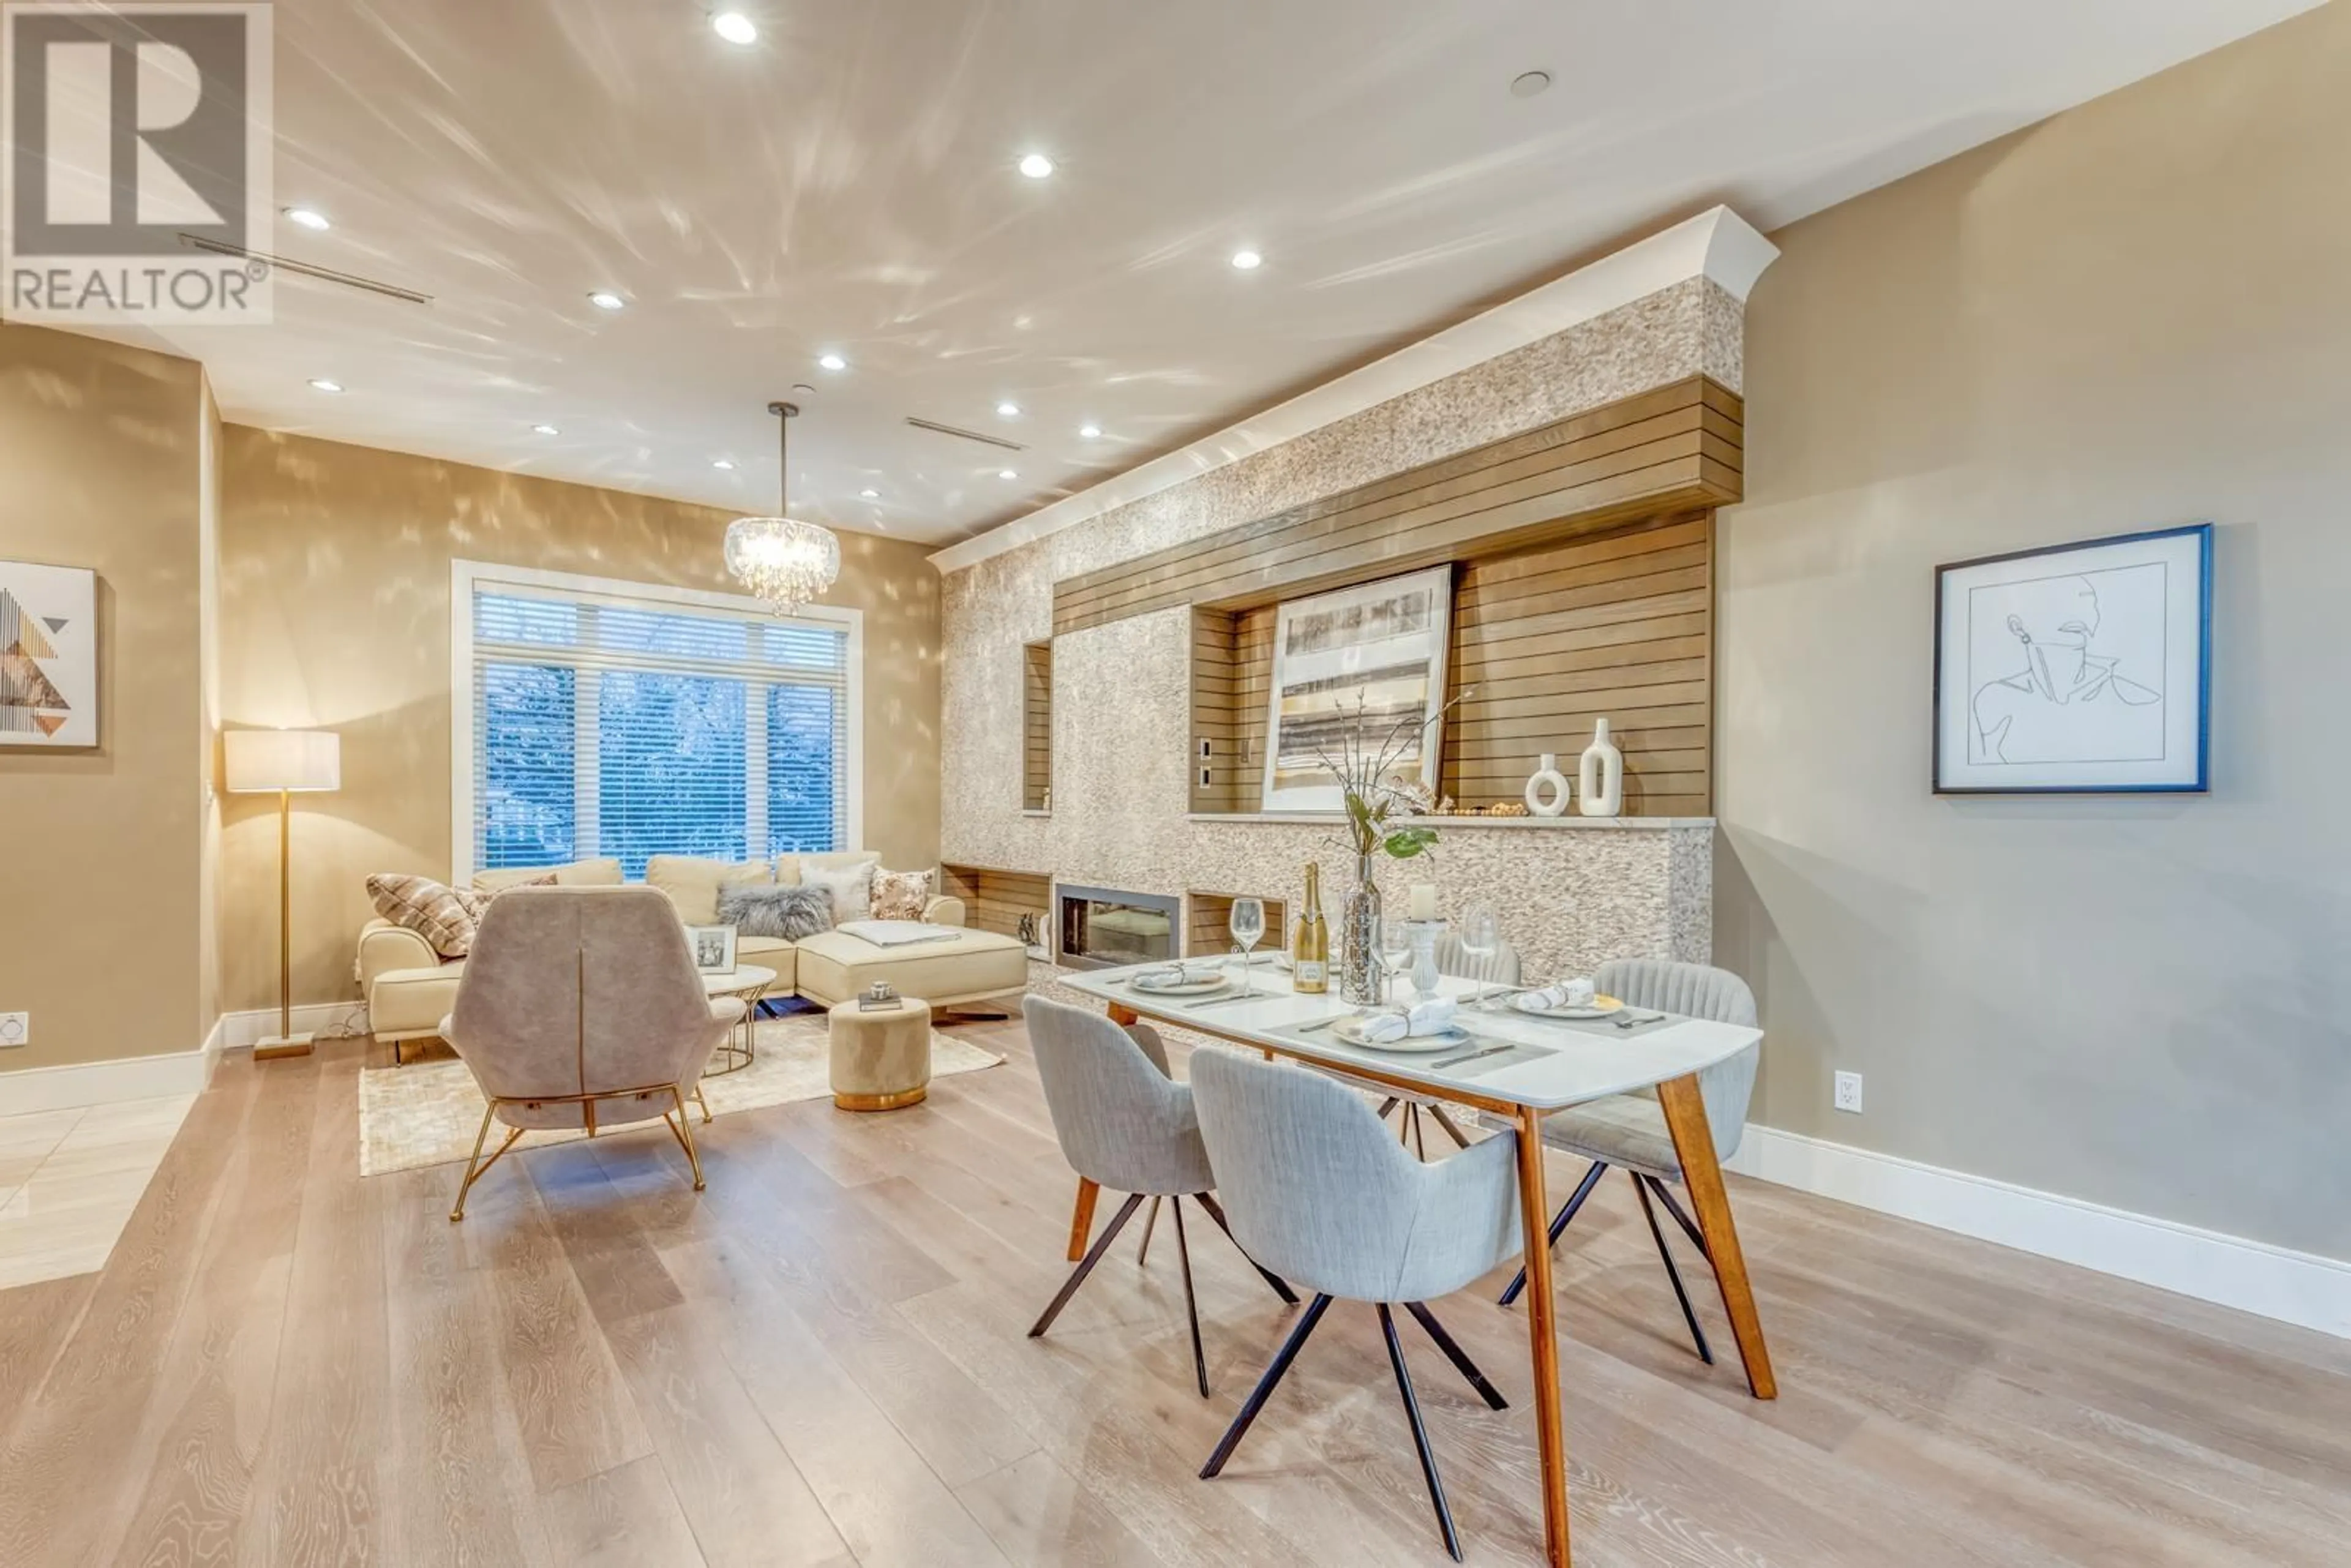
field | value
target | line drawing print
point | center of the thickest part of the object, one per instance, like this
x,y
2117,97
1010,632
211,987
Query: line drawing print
x,y
2068,668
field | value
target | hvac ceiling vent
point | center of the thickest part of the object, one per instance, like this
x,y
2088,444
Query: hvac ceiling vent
x,y
939,429
304,269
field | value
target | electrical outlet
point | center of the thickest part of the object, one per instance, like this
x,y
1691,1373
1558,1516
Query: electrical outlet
x,y
15,1028
1848,1093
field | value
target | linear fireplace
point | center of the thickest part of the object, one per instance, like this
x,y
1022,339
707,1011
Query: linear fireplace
x,y
1101,926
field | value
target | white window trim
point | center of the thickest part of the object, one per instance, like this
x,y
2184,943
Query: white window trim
x,y
466,576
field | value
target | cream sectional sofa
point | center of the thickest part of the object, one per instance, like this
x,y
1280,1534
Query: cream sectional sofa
x,y
410,988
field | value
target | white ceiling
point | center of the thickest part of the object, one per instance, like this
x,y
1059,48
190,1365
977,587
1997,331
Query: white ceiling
x,y
847,184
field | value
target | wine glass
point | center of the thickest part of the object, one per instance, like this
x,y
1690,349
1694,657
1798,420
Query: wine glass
x,y
1395,949
1246,924
1481,936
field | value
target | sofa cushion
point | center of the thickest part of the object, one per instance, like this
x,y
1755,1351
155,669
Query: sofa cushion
x,y
835,967
406,1004
793,869
790,913
770,953
692,882
852,887
577,873
901,894
444,917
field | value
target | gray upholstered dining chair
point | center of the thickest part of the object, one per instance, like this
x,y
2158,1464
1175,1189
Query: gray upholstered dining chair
x,y
1500,967
1629,1130
1124,1124
582,1007
1321,1193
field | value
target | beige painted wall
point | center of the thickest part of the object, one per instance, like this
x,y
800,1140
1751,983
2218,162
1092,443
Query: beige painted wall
x,y
100,849
2135,314
335,612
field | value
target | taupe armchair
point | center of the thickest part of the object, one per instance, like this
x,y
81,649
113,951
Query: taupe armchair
x,y
582,1007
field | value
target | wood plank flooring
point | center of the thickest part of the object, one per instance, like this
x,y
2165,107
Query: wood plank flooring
x,y
822,1360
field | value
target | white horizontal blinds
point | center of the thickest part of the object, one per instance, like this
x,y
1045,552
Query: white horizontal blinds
x,y
632,729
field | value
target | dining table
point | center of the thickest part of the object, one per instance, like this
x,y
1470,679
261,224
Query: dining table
x,y
1515,1066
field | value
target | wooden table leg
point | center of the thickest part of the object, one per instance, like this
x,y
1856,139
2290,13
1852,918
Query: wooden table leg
x,y
1684,1109
1542,1333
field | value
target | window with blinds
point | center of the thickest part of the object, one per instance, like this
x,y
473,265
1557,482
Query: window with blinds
x,y
605,726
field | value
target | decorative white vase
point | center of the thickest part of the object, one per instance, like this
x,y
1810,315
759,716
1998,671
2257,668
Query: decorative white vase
x,y
1547,791
1600,778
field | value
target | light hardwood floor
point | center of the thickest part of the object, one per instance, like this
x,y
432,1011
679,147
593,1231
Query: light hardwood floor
x,y
822,1360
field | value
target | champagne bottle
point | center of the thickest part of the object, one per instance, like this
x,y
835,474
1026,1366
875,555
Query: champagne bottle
x,y
1310,947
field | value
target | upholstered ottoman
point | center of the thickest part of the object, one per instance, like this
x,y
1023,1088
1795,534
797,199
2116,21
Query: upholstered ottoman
x,y
880,1060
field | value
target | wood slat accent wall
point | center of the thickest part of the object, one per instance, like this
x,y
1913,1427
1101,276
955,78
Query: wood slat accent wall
x,y
1036,725
1232,668
995,899
1206,932
1674,448
1618,626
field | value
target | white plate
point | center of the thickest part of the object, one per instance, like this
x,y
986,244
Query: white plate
x,y
1204,986
1410,1045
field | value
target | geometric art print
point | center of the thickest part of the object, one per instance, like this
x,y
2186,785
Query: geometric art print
x,y
49,655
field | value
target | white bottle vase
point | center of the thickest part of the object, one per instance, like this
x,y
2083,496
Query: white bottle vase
x,y
1547,791
1601,778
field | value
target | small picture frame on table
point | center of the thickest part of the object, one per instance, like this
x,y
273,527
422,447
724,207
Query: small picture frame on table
x,y
713,949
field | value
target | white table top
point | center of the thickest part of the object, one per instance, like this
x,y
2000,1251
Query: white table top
x,y
1551,1065
743,978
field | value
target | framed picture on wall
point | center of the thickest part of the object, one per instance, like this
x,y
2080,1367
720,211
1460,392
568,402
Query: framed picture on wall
x,y
2076,668
1353,668
49,655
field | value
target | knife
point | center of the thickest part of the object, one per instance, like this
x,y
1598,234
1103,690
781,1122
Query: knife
x,y
1471,1056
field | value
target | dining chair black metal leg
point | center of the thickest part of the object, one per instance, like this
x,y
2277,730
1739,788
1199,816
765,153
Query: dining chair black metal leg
x,y
1191,1307
1216,1212
1681,1218
1451,1131
1420,1433
1149,1220
1457,1356
1681,1295
1265,1386
1086,1265
1558,1224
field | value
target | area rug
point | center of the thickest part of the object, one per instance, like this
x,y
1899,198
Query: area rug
x,y
428,1113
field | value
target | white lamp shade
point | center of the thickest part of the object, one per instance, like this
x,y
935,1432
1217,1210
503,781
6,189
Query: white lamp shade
x,y
272,759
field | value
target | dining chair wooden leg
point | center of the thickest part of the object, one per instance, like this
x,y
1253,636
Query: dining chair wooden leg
x,y
1248,1414
1082,1221
1191,1306
1216,1211
1665,1195
1457,1356
1419,1142
1542,1340
1452,1130
1086,1265
1420,1433
1689,1316
1386,1106
1150,1220
1684,1109
1559,1225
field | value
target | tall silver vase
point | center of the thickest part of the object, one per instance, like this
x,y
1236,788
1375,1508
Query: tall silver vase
x,y
1359,960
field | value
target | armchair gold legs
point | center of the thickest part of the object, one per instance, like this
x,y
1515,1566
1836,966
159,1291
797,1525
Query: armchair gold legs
x,y
679,1122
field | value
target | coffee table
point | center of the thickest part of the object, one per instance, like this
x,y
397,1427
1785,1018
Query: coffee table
x,y
746,983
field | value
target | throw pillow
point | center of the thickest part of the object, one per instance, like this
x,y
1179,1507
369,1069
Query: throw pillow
x,y
901,894
445,917
852,887
763,909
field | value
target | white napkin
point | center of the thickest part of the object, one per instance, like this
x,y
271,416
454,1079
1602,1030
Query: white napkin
x,y
1434,1016
1167,975
1551,997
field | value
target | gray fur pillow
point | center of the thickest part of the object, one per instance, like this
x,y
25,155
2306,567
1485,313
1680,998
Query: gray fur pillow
x,y
762,909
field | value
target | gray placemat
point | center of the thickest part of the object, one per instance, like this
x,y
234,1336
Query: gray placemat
x,y
1606,1028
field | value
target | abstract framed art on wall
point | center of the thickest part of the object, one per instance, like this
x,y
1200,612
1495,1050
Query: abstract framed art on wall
x,y
49,655
2076,668
1351,668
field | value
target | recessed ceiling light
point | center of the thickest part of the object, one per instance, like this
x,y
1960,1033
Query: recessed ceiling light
x,y
722,463
870,495
833,362
1529,83
309,217
605,300
322,384
1008,409
1246,260
545,429
1037,166
1008,473
1091,432
734,28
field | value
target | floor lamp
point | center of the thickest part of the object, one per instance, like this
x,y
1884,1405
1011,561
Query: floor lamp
x,y
287,761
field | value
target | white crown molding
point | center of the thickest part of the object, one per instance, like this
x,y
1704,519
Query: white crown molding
x,y
1717,243
2299,1288
73,1084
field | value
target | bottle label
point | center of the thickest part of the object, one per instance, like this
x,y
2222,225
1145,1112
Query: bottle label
x,y
1310,972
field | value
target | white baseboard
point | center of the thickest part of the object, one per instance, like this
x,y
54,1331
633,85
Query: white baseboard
x,y
2299,1288
328,1020
74,1084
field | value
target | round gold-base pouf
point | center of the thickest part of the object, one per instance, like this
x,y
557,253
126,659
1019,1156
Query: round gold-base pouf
x,y
880,1060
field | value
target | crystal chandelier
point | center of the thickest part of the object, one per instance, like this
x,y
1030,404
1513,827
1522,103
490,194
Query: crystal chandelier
x,y
783,560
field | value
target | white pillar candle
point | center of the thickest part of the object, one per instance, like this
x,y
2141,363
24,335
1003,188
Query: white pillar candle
x,y
1424,901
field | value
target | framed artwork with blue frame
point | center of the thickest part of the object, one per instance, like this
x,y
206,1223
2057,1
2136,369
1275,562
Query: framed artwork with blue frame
x,y
2081,668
